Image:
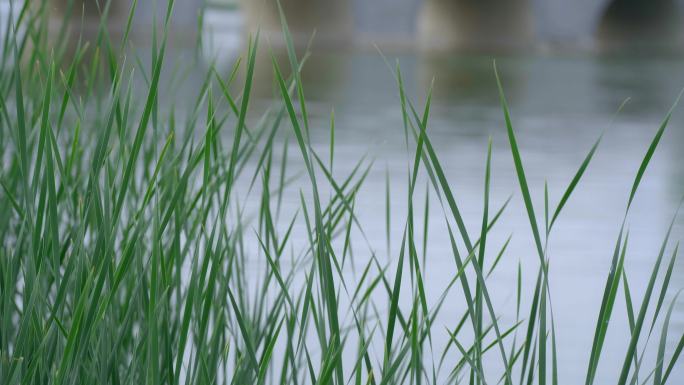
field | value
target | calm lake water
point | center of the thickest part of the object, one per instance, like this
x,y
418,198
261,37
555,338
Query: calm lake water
x,y
560,104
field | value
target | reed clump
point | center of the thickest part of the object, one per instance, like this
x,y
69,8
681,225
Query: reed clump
x,y
130,253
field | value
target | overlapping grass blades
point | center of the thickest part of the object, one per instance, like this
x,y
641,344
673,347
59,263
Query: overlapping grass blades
x,y
141,244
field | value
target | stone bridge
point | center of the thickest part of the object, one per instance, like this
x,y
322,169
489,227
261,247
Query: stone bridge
x,y
451,23
481,23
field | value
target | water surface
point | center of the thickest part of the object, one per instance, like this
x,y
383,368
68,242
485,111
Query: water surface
x,y
560,105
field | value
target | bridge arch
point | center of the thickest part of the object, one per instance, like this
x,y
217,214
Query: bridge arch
x,y
447,24
638,22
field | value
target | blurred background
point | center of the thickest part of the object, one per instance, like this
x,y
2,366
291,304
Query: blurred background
x,y
427,24
435,24
566,67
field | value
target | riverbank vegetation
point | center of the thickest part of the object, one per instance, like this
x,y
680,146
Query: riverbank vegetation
x,y
140,244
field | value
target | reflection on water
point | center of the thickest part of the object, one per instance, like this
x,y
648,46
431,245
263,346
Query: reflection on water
x,y
325,75
462,78
222,37
560,105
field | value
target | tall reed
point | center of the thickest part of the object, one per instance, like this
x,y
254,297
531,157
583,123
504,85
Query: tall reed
x,y
131,252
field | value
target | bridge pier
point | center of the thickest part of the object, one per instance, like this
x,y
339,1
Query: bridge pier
x,y
453,24
330,19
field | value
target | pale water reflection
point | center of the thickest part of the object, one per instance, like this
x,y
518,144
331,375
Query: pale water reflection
x,y
560,105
